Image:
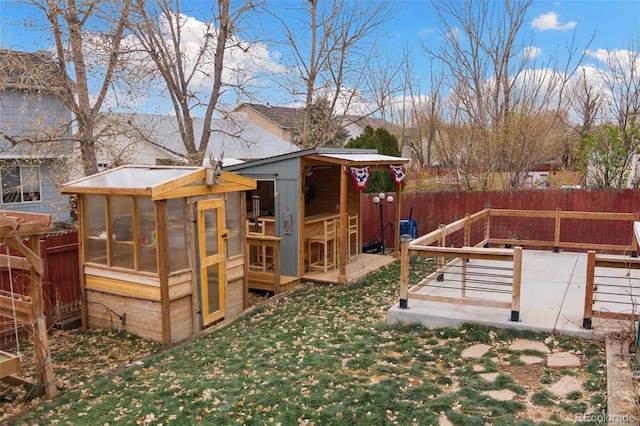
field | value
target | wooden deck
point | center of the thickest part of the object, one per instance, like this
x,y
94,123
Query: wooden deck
x,y
358,267
265,281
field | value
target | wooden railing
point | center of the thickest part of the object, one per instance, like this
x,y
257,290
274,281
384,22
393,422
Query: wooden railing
x,y
474,237
459,257
491,227
577,242
611,290
267,279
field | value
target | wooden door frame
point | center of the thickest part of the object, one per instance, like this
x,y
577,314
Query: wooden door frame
x,y
205,261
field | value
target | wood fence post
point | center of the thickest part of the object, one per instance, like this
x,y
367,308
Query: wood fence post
x,y
404,275
487,223
440,259
588,291
466,243
467,230
44,367
276,267
634,240
517,280
556,238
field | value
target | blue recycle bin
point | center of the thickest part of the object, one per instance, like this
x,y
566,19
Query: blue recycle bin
x,y
408,227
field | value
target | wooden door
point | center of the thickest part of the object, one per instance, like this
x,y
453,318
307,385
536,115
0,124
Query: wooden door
x,y
211,247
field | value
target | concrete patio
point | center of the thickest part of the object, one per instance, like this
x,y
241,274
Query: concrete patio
x,y
552,299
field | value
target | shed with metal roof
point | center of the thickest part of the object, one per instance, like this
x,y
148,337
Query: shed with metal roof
x,y
297,193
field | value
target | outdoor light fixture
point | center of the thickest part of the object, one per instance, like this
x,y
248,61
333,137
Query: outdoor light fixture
x,y
378,200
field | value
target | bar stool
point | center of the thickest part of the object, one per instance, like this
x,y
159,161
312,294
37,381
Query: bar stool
x,y
352,234
326,255
260,256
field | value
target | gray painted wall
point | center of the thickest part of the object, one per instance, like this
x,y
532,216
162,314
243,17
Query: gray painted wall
x,y
41,115
286,201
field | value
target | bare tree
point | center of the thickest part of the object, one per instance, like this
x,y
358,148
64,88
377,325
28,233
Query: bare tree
x,y
610,147
331,50
621,79
87,36
422,115
193,78
497,87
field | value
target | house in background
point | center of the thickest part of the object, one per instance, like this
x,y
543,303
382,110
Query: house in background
x,y
35,136
283,122
146,139
286,122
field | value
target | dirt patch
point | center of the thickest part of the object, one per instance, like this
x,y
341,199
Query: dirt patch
x,y
528,376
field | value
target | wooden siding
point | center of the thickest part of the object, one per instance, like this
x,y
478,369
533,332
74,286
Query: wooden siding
x,y
181,319
112,294
143,316
23,114
234,293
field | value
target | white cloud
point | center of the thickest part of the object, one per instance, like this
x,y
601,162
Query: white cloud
x,y
426,31
531,52
623,59
549,21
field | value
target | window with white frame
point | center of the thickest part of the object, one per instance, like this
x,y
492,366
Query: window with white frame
x,y
20,184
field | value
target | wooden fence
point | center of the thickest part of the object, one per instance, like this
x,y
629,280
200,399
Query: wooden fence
x,y
61,279
431,209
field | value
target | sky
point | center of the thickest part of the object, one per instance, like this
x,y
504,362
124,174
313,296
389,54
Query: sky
x,y
611,23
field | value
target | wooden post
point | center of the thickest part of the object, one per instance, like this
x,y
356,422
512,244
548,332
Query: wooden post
x,y
634,240
396,222
82,233
467,230
343,233
517,280
404,276
587,317
556,238
487,224
44,370
466,243
162,254
276,266
440,259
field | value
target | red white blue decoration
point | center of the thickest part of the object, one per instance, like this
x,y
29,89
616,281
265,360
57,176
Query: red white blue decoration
x,y
398,173
360,176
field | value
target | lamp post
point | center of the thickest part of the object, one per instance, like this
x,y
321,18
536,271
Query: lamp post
x,y
379,201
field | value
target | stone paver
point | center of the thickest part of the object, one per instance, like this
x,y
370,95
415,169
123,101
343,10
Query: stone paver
x,y
444,421
490,377
565,386
500,395
531,345
476,351
531,360
478,368
562,360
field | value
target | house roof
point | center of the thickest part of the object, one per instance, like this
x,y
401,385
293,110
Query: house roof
x,y
158,182
293,118
285,117
235,139
347,156
28,71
